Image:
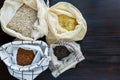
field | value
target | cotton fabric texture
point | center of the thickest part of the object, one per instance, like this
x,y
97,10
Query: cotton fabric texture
x,y
59,66
10,8
40,62
56,32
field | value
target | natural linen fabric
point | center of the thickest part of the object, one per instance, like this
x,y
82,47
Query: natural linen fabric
x,y
56,32
10,8
8,53
59,66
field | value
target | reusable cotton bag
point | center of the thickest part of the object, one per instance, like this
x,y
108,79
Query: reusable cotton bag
x,y
59,66
59,32
40,62
38,28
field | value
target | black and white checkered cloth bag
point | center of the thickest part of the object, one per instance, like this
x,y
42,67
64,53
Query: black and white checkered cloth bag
x,y
40,63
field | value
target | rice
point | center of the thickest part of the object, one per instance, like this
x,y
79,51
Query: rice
x,y
23,20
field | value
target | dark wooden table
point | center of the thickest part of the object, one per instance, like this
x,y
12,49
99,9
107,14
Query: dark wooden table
x,y
101,46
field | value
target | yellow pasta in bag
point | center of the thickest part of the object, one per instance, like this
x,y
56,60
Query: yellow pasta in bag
x,y
67,22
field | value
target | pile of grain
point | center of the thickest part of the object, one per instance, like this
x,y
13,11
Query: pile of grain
x,y
61,52
67,22
25,57
23,20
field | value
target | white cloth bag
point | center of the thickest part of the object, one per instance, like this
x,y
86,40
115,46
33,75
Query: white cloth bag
x,y
59,66
9,9
56,33
29,72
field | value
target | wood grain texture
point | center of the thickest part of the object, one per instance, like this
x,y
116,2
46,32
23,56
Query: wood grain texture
x,y
101,46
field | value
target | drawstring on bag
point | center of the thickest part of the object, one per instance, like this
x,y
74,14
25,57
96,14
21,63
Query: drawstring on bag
x,y
48,3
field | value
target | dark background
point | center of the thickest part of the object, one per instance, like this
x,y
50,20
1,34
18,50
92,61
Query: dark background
x,y
101,46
